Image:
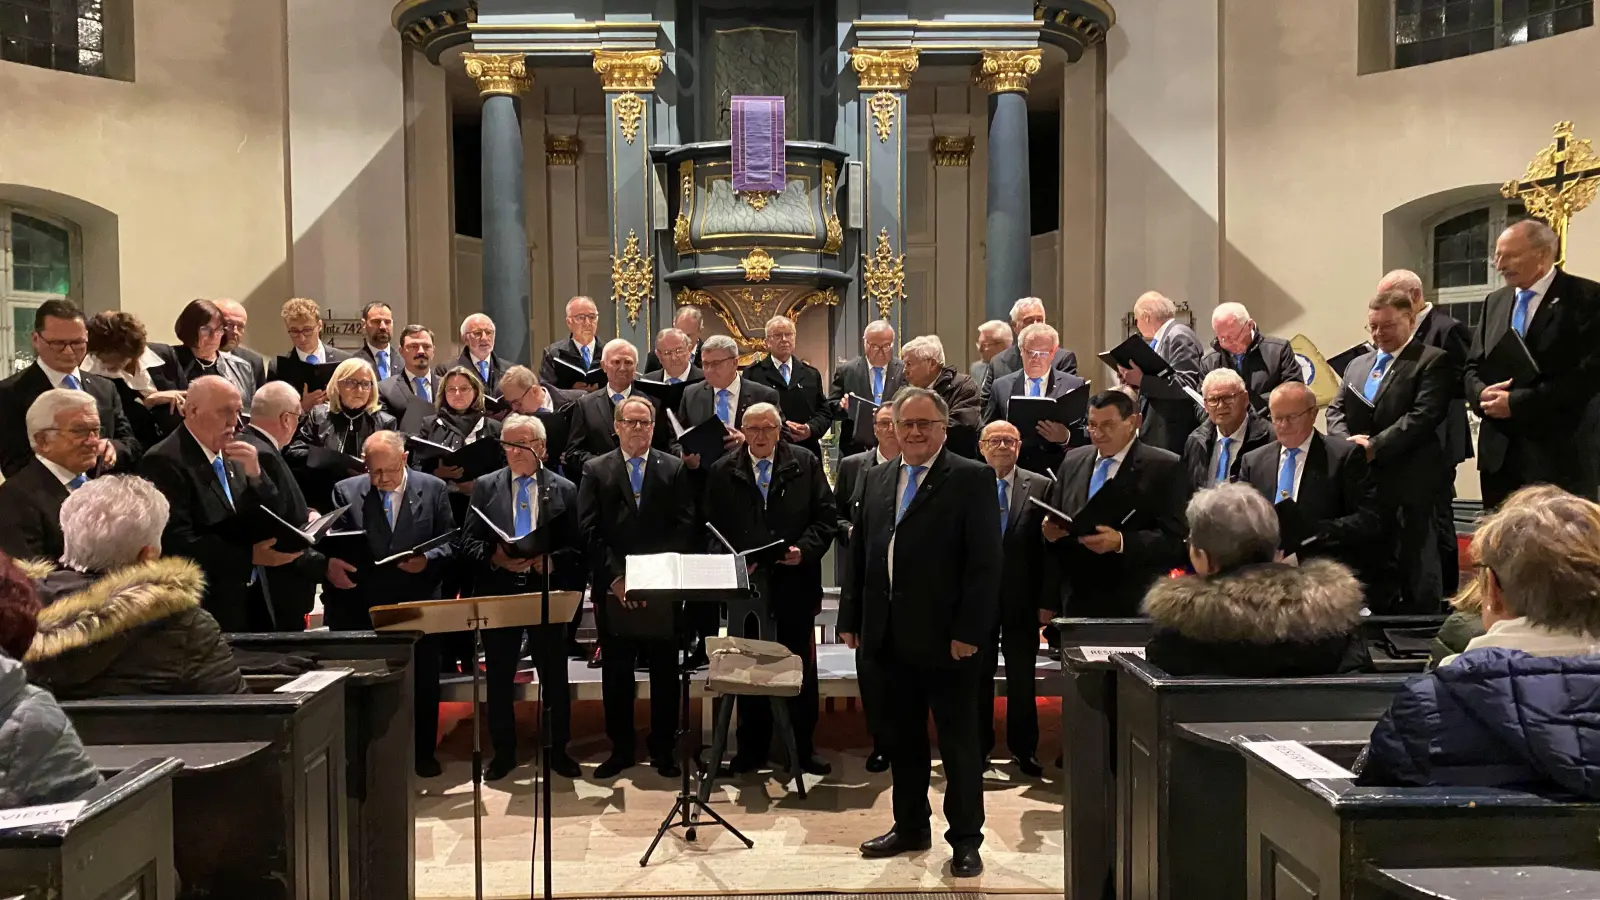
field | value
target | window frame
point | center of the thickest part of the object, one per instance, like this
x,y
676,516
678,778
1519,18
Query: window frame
x,y
1392,14
1499,214
14,346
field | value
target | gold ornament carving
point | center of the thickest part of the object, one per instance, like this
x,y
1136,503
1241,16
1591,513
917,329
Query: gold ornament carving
x,y
628,70
953,151
818,297
562,149
884,70
680,226
834,237
694,297
756,200
1002,71
884,275
758,265
498,73
885,108
633,279
630,112
1559,183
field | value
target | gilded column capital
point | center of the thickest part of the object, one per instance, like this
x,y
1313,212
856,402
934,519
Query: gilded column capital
x,y
1002,71
499,73
887,69
628,70
562,149
953,151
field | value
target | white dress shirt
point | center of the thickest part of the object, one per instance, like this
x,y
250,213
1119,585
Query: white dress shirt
x,y
397,497
594,351
138,381
270,439
1116,462
321,354
879,458
681,376
1540,288
63,474
1299,465
1234,450
57,377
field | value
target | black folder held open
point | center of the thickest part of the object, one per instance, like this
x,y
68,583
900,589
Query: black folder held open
x,y
306,377
476,459
1108,507
1509,360
569,374
1027,412
293,538
1297,533
670,396
525,547
704,439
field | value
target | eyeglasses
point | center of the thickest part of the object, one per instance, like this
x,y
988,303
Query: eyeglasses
x,y
920,424
581,317
1288,418
1224,400
672,354
306,331
354,383
779,336
636,423
1040,354
64,346
80,433
456,390
760,430
708,363
1002,443
377,472
885,346
481,333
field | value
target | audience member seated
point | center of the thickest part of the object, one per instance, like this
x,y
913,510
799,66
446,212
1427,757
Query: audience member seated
x,y
119,618
1461,626
41,759
334,432
1520,708
1244,614
64,429
119,350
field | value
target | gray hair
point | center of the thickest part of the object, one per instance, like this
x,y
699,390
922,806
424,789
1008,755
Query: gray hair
x,y
519,376
1543,548
927,346
762,409
1222,378
1018,307
1230,312
911,392
1233,525
518,420
1155,305
721,343
778,320
584,298
44,409
678,333
877,325
1038,328
467,323
273,399
1539,234
105,523
389,440
996,329
692,312
618,345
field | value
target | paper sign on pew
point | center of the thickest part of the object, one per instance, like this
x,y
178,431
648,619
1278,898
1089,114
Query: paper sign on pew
x,y
28,816
1097,654
313,681
1298,761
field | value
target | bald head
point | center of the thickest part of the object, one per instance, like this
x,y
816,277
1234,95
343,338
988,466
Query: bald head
x,y
211,411
234,322
1406,282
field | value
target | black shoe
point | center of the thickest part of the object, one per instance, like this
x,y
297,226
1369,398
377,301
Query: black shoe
x,y
499,768
894,843
815,765
966,863
741,764
428,767
666,767
565,766
1030,766
614,766
877,762
594,661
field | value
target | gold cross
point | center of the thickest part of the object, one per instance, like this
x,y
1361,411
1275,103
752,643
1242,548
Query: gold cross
x,y
1559,183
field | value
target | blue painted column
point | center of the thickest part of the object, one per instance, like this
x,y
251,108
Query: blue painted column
x,y
501,79
1008,272
630,126
883,76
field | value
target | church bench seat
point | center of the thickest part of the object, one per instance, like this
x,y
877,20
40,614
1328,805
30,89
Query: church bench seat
x,y
1485,883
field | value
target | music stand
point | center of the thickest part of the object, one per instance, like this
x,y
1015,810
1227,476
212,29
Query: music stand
x,y
476,614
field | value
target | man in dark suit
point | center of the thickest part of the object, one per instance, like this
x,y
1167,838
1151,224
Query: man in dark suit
x,y
672,360
1168,413
806,416
766,491
689,322
634,501
994,338
60,339
302,319
522,499
723,395
1391,404
1043,450
1327,478
594,430
64,426
214,481
926,368
235,319
876,375
922,600
1209,461
1263,362
378,349
290,590
1024,606
581,349
1530,431
1026,311
1106,573
411,393
1437,328
477,353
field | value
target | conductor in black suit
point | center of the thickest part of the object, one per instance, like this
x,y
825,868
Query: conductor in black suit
x,y
806,415
411,392
1024,603
214,481
60,341
477,353
690,322
291,590
521,499
64,427
1263,362
1214,451
581,349
876,375
632,501
1530,432
1043,450
1391,404
1167,421
922,598
1106,573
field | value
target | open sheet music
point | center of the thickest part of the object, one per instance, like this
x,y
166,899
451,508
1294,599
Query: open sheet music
x,y
682,572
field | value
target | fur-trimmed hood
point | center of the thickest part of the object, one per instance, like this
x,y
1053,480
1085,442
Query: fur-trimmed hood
x,y
82,610
1264,604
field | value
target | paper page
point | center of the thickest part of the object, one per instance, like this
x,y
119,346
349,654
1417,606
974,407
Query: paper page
x,y
652,572
1195,396
25,816
1298,761
1096,654
314,681
707,572
677,427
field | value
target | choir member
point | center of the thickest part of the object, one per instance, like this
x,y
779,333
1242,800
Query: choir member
x,y
412,392
198,353
477,353
580,348
674,362
1026,311
118,350
302,319
1043,450
64,427
994,338
806,417
274,420
377,320
875,375
1214,451
925,368
235,320
327,448
459,421
1262,362
1167,421
690,322
725,395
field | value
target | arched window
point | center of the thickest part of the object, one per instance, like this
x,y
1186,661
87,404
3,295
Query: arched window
x,y
1460,264
1427,31
68,35
38,262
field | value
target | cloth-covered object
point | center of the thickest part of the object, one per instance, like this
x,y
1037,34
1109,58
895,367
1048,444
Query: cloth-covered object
x,y
749,666
41,758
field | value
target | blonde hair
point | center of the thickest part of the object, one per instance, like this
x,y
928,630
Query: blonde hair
x,y
299,309
352,366
1543,548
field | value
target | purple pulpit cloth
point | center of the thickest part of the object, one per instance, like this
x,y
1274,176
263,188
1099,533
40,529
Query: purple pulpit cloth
x,y
758,158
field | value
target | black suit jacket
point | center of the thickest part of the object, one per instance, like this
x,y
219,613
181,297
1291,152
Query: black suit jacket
x,y
1545,413
1439,329
594,431
1408,462
397,362
204,527
293,587
1337,496
334,354
947,564
398,396
19,391
555,531
846,497
425,515
32,501
798,509
614,527
695,373
1201,444
1026,582
1168,421
1010,360
497,367
855,377
653,362
700,404
1268,362
1114,584
567,349
801,399
1038,454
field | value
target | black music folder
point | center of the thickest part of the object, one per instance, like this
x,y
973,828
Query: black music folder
x,y
1296,531
1135,352
292,538
524,547
670,396
306,377
862,412
1343,360
478,458
1509,360
704,439
569,374
1108,507
1027,412
328,459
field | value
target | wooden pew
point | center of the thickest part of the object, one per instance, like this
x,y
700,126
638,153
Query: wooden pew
x,y
1486,883
1373,628
1170,791
118,847
1319,838
379,717
271,828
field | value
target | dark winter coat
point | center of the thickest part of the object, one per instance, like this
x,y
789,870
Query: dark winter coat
x,y
42,760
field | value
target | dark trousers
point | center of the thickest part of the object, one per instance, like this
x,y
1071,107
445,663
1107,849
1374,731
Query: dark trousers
x,y
1444,534
502,650
1415,563
1021,649
425,693
797,632
874,699
617,660
951,693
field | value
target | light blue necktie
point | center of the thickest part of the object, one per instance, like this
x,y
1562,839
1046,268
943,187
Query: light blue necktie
x,y
312,358
674,380
483,370
763,476
1035,388
1375,377
70,382
587,358
1152,343
524,513
388,508
221,469
383,364
617,398
1223,460
1102,470
783,370
1005,504
1286,474
636,475
877,385
724,411
1519,313
913,475
78,482
1238,362
422,388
